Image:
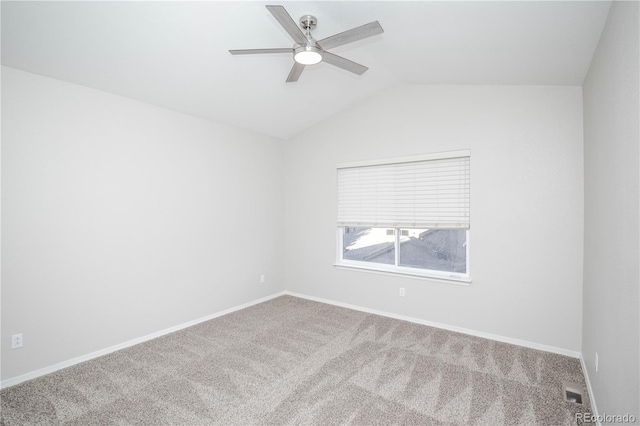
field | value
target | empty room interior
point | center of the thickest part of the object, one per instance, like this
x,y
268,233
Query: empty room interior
x,y
236,213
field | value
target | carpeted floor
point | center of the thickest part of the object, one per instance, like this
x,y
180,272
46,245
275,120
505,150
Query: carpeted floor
x,y
291,361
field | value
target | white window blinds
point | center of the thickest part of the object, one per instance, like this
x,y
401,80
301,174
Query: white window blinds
x,y
414,192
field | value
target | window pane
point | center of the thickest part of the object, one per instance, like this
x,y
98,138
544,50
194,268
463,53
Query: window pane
x,y
367,244
436,249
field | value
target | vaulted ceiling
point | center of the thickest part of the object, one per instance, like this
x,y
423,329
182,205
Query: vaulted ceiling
x,y
175,54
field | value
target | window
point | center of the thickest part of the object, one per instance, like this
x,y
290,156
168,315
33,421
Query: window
x,y
408,215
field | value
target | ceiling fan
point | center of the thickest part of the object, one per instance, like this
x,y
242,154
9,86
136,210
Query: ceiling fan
x,y
308,51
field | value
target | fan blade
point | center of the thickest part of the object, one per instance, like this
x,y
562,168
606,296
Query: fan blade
x,y
354,34
254,51
288,24
343,63
295,72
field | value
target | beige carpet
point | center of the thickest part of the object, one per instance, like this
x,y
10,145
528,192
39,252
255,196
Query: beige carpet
x,y
290,361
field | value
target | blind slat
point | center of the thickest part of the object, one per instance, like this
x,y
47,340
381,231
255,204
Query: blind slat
x,y
429,194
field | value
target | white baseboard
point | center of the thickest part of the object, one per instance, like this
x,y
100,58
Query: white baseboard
x,y
64,364
592,398
496,337
47,370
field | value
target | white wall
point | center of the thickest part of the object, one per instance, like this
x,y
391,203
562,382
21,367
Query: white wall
x,y
526,206
120,219
612,210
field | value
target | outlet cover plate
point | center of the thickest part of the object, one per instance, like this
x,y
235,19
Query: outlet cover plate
x,y
16,341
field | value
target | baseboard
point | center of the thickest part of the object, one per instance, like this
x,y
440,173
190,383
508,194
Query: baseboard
x,y
592,398
64,364
496,337
47,370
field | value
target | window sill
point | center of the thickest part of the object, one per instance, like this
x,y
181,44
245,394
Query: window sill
x,y
464,281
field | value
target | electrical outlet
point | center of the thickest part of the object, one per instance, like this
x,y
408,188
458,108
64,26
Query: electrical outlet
x,y
16,341
596,362
401,291
262,279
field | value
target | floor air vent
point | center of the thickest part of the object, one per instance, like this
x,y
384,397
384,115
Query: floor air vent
x,y
573,392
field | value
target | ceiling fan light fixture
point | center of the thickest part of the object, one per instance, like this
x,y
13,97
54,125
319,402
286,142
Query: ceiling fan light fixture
x,y
306,51
307,55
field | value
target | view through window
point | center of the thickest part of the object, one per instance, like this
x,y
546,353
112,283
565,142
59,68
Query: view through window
x,y
430,249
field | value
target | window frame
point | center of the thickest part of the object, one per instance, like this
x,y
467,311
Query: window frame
x,y
384,222
395,269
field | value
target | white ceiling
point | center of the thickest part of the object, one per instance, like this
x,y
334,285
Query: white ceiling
x,y
175,54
